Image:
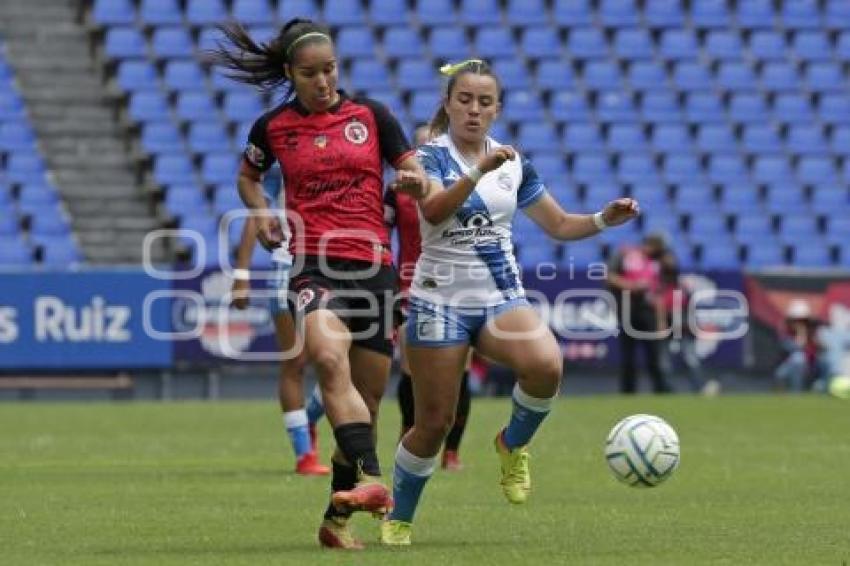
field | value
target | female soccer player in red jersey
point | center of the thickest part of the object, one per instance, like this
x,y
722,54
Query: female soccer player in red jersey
x,y
330,148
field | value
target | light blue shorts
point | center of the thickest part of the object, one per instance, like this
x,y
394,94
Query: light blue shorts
x,y
280,285
435,326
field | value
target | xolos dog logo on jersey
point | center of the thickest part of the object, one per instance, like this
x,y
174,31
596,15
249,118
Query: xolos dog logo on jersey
x,y
356,132
255,155
304,298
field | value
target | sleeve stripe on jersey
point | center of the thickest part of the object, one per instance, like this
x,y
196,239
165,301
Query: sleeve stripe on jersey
x,y
404,156
534,197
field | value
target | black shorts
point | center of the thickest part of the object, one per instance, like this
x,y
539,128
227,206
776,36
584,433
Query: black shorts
x,y
360,293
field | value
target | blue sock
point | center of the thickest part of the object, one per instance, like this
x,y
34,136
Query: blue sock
x,y
409,478
296,428
315,407
526,417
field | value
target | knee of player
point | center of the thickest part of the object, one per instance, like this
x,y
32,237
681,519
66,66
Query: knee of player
x,y
329,362
547,369
436,423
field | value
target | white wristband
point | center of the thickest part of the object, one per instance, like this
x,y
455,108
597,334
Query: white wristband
x,y
474,174
599,221
241,275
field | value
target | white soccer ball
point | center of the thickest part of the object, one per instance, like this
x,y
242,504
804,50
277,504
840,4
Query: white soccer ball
x,y
642,450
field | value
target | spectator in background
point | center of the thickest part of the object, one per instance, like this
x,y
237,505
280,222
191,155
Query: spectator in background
x,y
673,307
804,362
633,277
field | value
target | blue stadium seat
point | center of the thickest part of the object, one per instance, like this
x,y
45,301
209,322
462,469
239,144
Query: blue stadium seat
x,y
309,9
663,13
225,199
449,42
693,197
567,106
597,194
648,75
636,168
811,46
661,106
391,100
765,254
812,255
343,13
522,106
801,14
824,77
784,196
512,73
383,13
587,43
533,253
173,169
206,12
727,169
839,140
241,106
735,76
750,225
202,223
353,42
834,109
572,13
403,42
369,73
113,12
816,170
618,13
747,107
495,41
11,106
633,43
767,45
423,104
208,38
416,74
194,105
602,75
658,222
59,252
755,14
589,168
171,42
682,168
580,254
615,106
626,138
554,75
45,225
710,14
16,135
838,228
550,166
208,136
14,252
435,12
582,137
691,76
10,226
651,197
251,11
723,45
133,75
842,47
670,137
837,14
160,13
760,138
147,107
799,227
219,168
677,44
22,167
779,76
540,43
161,137
804,139
739,199
704,107
184,199
792,107
124,42
720,257
526,13
770,169
475,13
183,75
715,138
537,137
829,198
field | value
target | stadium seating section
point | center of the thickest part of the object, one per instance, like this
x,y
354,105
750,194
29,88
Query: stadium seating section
x,y
730,121
34,227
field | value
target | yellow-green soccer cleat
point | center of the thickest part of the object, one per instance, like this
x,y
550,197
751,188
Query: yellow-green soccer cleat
x,y
516,479
395,533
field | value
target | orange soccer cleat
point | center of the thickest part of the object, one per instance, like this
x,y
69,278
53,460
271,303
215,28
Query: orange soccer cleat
x,y
370,496
308,465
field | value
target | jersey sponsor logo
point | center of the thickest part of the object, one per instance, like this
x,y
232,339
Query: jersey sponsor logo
x,y
320,141
356,132
304,298
255,155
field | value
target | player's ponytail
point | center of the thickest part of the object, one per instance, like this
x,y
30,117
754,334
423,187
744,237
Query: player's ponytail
x,y
264,64
439,123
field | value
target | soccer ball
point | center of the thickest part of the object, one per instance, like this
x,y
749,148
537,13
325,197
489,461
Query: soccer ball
x,y
642,450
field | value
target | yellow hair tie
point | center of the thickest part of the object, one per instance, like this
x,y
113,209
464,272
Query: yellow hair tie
x,y
448,69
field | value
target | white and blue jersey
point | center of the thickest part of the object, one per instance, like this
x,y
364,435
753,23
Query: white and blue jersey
x,y
467,261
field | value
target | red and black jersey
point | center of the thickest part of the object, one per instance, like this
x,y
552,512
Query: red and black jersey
x,y
401,212
332,165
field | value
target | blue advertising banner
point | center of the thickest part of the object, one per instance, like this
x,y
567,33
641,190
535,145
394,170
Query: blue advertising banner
x,y
83,320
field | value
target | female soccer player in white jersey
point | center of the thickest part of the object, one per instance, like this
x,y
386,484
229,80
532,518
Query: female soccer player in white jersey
x,y
466,291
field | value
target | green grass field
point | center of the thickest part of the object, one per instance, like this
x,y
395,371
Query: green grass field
x,y
763,480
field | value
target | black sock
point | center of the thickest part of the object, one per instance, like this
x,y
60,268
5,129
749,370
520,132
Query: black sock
x,y
357,444
464,403
344,478
405,400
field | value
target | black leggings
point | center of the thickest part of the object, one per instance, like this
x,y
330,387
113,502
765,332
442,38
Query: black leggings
x,y
464,402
